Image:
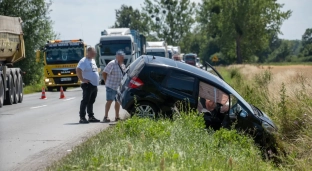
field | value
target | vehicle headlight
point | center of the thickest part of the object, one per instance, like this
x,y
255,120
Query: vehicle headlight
x,y
47,80
269,128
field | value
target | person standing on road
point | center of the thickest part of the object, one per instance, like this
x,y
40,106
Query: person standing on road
x,y
87,72
112,75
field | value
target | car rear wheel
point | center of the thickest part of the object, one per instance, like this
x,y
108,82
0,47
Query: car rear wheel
x,y
145,110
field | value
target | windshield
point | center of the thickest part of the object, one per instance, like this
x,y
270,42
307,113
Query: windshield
x,y
189,58
162,54
110,47
64,55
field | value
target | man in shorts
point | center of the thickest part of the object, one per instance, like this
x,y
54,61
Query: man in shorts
x,y
112,75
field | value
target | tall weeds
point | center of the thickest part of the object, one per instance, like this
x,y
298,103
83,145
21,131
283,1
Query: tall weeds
x,y
291,110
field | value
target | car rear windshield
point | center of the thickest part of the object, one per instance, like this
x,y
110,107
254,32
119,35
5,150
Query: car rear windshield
x,y
135,67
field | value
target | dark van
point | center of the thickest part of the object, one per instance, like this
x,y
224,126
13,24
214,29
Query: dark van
x,y
190,59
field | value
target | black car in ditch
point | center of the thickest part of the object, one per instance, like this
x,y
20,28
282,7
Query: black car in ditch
x,y
153,85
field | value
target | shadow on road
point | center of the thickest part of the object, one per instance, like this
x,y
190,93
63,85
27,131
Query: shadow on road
x,y
73,124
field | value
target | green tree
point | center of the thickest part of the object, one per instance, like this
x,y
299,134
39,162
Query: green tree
x,y
191,42
247,24
127,17
37,28
307,42
172,19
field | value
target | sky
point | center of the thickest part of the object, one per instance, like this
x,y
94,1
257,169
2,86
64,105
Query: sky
x,y
85,19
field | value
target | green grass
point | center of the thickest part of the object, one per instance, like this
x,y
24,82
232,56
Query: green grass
x,y
33,88
143,144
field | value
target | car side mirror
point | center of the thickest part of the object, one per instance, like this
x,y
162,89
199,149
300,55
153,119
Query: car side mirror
x,y
135,47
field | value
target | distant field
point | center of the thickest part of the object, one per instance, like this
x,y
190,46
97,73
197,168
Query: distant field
x,y
291,75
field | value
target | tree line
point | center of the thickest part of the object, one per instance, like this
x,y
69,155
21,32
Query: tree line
x,y
235,31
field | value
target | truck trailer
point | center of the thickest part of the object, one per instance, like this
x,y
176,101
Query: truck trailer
x,y
158,48
12,50
130,41
60,59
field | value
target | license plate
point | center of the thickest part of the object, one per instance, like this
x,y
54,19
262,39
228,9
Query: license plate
x,y
66,79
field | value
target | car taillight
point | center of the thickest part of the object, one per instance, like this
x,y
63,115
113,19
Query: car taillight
x,y
135,82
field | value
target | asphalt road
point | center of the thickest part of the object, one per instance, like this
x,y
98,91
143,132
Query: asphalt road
x,y
35,133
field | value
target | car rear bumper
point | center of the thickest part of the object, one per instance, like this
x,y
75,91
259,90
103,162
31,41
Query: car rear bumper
x,y
125,99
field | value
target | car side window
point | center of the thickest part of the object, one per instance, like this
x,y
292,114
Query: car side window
x,y
158,75
181,82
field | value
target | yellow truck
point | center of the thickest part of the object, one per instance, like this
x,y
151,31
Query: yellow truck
x,y
12,50
60,59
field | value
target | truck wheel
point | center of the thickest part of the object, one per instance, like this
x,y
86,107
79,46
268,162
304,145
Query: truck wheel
x,y
64,88
20,88
9,94
1,92
16,89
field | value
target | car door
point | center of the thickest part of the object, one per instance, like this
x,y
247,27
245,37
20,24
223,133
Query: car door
x,y
179,86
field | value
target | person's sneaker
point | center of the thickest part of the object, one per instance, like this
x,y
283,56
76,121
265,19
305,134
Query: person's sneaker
x,y
105,120
93,119
83,120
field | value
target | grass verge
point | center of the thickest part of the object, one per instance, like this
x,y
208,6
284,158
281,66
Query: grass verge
x,y
33,88
183,144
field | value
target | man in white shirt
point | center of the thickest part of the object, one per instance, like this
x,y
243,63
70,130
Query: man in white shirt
x,y
87,72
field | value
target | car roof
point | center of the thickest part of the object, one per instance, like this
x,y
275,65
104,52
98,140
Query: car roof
x,y
161,61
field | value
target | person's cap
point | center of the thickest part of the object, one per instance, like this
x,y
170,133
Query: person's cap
x,y
120,52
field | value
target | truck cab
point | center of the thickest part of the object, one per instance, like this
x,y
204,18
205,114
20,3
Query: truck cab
x,y
112,40
157,49
60,59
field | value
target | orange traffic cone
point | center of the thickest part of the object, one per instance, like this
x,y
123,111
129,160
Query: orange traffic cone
x,y
43,96
62,96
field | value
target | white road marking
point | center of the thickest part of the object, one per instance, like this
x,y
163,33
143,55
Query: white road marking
x,y
38,107
70,99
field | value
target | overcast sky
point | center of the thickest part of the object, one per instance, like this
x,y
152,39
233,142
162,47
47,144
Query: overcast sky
x,y
75,19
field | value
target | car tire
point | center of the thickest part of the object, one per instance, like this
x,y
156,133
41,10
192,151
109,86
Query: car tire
x,y
145,109
64,88
50,89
